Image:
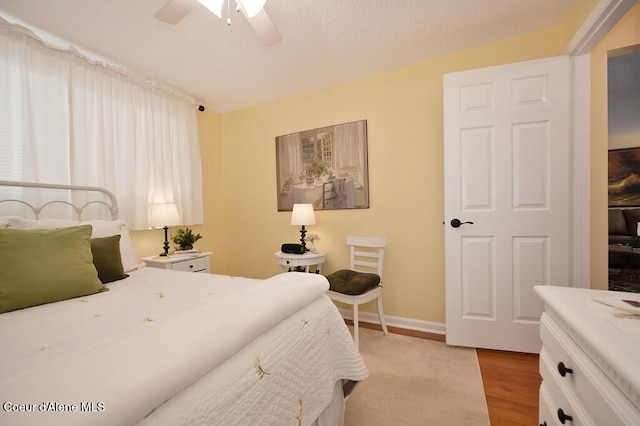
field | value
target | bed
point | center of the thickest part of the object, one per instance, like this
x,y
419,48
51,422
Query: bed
x,y
168,347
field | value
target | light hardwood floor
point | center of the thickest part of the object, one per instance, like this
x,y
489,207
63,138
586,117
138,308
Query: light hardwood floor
x,y
511,381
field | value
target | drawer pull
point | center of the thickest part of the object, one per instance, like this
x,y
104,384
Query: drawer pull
x,y
563,370
563,417
191,266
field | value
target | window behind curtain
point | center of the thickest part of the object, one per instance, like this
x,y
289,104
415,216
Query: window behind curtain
x,y
64,119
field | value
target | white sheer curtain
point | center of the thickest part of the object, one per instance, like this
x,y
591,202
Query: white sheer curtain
x,y
66,119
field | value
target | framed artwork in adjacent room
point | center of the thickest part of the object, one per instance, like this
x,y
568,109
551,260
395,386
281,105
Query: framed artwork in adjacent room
x,y
624,177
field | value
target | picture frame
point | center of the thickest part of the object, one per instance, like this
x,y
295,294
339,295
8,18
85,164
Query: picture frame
x,y
624,177
326,167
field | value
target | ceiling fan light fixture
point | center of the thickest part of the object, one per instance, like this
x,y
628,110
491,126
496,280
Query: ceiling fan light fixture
x,y
175,10
213,5
251,7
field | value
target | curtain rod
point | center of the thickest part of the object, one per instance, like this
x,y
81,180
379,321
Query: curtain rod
x,y
17,31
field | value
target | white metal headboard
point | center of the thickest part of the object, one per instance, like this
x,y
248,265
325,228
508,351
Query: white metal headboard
x,y
110,200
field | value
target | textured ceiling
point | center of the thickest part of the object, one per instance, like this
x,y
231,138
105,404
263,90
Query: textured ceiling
x,y
324,41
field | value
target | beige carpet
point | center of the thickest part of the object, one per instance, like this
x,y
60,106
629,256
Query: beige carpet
x,y
415,381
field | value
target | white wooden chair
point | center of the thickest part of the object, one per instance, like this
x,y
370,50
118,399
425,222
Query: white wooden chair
x,y
367,254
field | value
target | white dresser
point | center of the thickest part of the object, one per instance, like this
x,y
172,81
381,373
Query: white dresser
x,y
198,263
590,359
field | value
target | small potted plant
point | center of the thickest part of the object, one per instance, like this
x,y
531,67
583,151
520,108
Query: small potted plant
x,y
312,238
185,239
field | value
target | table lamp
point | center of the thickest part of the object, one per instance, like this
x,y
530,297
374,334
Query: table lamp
x,y
303,215
164,215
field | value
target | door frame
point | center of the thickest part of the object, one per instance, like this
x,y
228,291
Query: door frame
x,y
602,18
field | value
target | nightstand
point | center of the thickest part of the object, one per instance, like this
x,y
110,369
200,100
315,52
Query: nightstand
x,y
286,260
199,263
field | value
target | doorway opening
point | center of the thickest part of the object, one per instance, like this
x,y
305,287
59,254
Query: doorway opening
x,y
623,70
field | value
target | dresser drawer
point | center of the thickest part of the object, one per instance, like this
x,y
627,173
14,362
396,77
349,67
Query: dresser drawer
x,y
546,414
293,262
179,263
564,362
562,403
192,265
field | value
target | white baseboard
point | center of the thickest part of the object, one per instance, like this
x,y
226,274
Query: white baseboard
x,y
400,322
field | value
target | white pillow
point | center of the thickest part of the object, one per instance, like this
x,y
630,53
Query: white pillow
x,y
17,222
101,228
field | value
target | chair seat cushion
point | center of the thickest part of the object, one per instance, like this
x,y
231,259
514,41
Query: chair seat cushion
x,y
350,282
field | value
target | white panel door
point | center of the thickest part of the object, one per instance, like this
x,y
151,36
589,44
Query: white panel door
x,y
507,170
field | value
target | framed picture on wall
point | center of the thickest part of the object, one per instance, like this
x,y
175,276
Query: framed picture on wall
x,y
624,177
326,167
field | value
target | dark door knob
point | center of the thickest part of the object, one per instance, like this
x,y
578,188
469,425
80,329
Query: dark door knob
x,y
563,417
456,223
563,370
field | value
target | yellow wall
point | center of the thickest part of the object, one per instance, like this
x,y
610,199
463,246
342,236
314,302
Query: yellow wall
x,y
403,108
628,140
625,33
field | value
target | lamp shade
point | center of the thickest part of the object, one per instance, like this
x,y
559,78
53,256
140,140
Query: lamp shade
x,y
164,214
303,215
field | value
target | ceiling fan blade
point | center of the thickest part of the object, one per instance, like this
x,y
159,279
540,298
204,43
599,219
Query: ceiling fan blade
x,y
264,28
175,10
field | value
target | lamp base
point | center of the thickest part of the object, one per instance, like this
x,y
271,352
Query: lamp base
x,y
303,232
166,242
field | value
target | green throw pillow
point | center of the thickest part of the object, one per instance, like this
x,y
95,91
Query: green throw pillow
x,y
107,259
350,282
45,265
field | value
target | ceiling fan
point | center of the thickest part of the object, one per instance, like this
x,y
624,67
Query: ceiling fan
x,y
175,10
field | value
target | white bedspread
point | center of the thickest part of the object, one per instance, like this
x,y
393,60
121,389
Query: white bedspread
x,y
121,354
